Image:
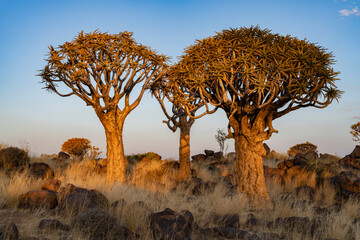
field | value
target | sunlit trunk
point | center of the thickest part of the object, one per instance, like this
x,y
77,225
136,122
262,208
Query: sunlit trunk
x,y
116,162
184,153
250,171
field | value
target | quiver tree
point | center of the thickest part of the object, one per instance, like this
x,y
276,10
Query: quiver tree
x,y
103,69
185,108
355,132
76,147
302,148
256,76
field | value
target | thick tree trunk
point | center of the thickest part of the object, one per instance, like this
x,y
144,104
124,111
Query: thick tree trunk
x,y
113,123
250,171
116,163
184,153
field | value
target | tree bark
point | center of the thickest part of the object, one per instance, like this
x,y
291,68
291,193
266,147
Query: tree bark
x,y
250,171
113,123
184,153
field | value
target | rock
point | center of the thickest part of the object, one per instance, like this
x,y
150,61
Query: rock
x,y
328,157
349,175
97,224
81,199
356,152
276,175
322,211
189,217
198,157
9,232
51,185
218,155
227,220
13,157
345,188
209,153
38,199
289,163
65,191
297,224
50,225
62,156
350,162
300,159
168,225
281,165
41,170
253,223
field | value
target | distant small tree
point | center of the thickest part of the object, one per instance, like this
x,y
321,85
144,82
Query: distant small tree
x,y
186,106
76,147
221,138
93,153
302,148
355,132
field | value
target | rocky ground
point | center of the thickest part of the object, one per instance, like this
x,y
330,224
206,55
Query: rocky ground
x,y
314,197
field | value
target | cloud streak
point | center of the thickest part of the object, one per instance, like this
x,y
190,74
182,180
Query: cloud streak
x,y
347,12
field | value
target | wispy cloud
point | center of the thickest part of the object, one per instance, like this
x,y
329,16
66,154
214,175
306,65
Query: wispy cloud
x,y
356,117
347,12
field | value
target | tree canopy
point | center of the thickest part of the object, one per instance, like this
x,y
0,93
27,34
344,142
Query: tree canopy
x,y
101,69
248,71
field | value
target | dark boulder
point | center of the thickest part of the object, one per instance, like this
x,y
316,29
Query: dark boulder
x,y
51,185
209,153
227,220
350,162
97,224
81,199
253,223
198,157
51,225
356,152
63,156
13,157
41,170
349,175
38,199
9,232
169,224
218,155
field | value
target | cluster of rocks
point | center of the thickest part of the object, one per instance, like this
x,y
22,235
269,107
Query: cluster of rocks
x,y
89,214
346,183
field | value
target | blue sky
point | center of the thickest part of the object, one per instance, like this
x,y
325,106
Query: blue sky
x,y
29,114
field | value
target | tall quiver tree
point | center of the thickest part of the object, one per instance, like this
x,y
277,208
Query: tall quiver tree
x,y
186,106
103,69
256,76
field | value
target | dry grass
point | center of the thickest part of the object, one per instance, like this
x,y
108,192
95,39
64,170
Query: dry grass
x,y
151,182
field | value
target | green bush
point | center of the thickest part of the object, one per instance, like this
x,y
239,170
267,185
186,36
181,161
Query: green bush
x,y
13,157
